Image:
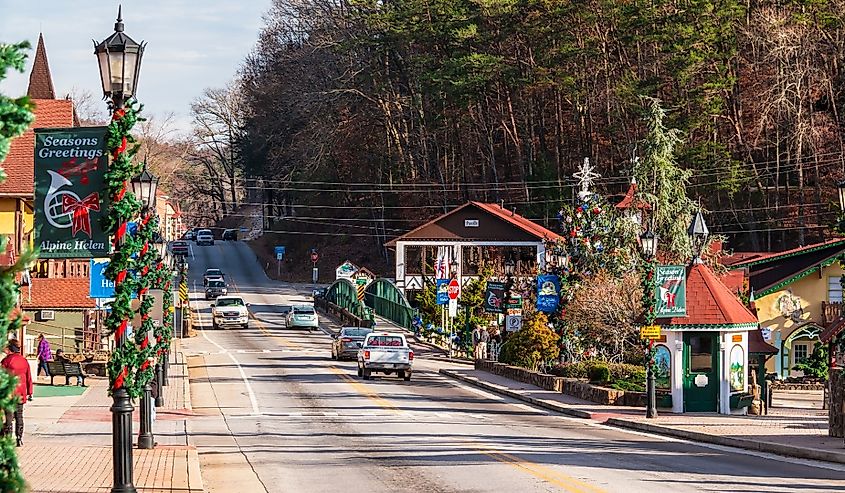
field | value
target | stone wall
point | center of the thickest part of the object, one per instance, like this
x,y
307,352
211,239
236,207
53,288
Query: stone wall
x,y
836,409
575,387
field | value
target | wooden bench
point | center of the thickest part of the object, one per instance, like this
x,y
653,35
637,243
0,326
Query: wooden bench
x,y
58,368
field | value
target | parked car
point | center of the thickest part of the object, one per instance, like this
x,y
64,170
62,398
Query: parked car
x,y
347,342
229,311
230,235
302,316
179,247
215,274
216,287
319,293
205,237
386,353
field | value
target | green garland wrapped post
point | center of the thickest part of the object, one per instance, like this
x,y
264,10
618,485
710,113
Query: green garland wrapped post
x,y
15,117
123,208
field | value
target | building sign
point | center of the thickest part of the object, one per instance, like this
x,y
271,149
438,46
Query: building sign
x,y
442,291
671,291
494,297
471,223
346,270
70,164
548,287
650,332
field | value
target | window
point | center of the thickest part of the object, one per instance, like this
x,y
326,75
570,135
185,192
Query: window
x,y
701,353
834,289
799,353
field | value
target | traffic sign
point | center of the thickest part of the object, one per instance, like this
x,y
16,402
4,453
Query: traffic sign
x,y
454,289
650,332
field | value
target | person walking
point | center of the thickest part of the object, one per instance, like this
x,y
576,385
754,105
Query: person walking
x,y
476,341
44,355
17,365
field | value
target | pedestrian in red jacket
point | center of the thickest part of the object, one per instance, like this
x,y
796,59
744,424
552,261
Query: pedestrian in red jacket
x,y
18,366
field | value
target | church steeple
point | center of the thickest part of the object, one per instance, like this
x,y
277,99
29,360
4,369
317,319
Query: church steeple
x,y
40,80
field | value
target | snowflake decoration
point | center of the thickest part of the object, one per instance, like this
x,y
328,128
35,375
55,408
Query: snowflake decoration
x,y
585,176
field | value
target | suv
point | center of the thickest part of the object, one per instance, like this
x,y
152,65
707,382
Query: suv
x,y
205,237
229,310
216,287
212,275
179,247
230,234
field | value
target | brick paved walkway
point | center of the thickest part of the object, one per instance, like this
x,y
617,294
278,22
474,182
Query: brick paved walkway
x,y
67,444
781,432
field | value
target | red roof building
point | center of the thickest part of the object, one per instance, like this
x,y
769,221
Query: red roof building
x,y
57,293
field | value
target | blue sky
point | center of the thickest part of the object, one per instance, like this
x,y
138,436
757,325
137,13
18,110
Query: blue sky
x,y
190,45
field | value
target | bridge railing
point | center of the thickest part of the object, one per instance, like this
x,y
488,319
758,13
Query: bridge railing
x,y
388,302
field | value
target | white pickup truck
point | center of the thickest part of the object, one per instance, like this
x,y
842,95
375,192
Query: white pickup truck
x,y
386,353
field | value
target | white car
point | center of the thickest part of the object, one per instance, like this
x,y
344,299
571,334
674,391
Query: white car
x,y
229,311
205,237
385,352
302,316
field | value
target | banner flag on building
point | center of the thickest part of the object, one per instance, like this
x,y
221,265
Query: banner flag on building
x,y
494,297
443,291
670,291
70,164
548,293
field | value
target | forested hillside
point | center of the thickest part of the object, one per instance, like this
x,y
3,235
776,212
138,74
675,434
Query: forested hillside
x,y
365,117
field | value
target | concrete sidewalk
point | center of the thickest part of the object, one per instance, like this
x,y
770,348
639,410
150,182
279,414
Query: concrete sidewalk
x,y
799,433
67,442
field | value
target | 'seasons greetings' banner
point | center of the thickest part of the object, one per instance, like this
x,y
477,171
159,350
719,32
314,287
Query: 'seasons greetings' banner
x,y
70,164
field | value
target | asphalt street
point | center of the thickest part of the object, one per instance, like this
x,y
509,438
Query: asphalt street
x,y
275,413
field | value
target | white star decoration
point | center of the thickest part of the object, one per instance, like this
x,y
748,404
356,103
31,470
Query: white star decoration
x,y
585,176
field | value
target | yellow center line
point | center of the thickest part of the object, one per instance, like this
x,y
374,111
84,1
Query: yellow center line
x,y
551,476
365,390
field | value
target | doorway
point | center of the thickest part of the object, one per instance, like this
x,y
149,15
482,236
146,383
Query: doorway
x,y
701,371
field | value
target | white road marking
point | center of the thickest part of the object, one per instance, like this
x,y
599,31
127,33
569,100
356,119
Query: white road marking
x,y
721,448
252,399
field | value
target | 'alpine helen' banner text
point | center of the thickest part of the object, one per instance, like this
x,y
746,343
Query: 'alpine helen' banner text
x,y
671,291
70,164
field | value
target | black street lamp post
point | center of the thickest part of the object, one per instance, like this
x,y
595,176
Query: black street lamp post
x,y
119,60
648,243
144,187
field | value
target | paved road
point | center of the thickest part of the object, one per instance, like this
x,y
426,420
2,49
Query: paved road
x,y
276,414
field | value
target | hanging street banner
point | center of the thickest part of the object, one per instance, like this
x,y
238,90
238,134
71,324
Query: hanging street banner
x,y
548,289
494,297
670,291
70,164
443,291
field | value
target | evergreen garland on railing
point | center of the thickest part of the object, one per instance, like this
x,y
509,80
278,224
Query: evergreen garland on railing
x,y
15,117
144,268
123,208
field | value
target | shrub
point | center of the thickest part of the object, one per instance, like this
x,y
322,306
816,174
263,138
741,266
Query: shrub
x,y
599,373
532,345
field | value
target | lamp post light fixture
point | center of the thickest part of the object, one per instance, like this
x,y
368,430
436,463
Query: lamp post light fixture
x,y
119,57
119,60
144,187
698,234
648,243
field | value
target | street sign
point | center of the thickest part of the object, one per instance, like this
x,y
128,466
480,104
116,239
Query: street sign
x,y
454,289
650,332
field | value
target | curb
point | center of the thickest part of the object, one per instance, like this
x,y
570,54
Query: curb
x,y
577,413
693,436
767,447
